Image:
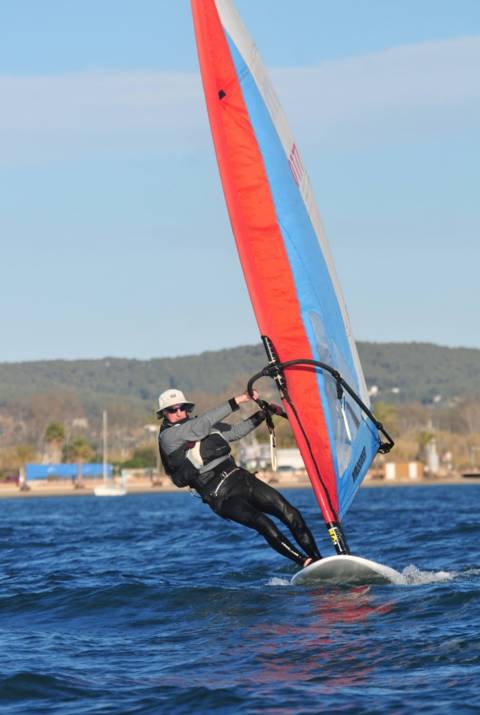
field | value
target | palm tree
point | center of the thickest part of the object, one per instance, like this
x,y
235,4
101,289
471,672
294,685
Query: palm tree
x,y
54,437
78,451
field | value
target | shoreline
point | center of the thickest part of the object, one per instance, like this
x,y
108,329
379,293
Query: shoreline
x,y
144,487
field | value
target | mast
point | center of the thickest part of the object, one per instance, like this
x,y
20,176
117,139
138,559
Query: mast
x,y
105,446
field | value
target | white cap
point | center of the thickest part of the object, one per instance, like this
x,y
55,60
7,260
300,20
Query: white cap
x,y
172,397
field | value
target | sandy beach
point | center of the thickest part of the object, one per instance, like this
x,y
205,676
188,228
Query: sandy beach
x,y
163,484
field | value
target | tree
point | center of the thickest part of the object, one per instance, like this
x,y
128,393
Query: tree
x,y
386,414
54,437
78,451
25,453
55,433
143,458
424,437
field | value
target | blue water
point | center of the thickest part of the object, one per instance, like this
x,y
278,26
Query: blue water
x,y
152,604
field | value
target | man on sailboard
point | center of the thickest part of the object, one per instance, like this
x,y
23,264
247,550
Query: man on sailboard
x,y
195,452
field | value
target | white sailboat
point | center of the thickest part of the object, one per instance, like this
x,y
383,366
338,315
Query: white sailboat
x,y
109,488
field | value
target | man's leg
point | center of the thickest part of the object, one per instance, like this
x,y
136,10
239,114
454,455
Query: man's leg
x,y
239,510
266,499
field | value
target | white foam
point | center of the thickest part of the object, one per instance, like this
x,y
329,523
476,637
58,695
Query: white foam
x,y
412,576
472,572
276,581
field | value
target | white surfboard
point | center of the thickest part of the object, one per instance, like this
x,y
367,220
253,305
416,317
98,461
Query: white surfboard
x,y
346,569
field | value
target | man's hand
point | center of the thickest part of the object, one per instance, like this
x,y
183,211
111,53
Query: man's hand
x,y
245,397
276,409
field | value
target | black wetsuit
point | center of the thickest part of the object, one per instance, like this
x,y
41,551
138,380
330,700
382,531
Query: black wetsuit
x,y
196,452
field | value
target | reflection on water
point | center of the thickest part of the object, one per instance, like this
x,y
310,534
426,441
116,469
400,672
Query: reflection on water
x,y
312,650
326,650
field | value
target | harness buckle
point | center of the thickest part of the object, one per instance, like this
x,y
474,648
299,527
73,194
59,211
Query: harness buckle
x,y
225,475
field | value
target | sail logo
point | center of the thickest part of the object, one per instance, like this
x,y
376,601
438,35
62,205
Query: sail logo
x,y
359,464
296,165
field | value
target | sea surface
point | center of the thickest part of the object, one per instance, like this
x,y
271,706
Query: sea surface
x,y
153,604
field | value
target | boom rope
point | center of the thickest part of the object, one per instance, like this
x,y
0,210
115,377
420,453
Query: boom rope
x,y
264,405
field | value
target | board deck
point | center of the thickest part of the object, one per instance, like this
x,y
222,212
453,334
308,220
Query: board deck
x,y
346,569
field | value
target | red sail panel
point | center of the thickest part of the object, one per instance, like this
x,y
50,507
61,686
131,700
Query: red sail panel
x,y
261,245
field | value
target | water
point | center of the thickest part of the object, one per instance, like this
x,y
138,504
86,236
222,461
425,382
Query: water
x,y
152,604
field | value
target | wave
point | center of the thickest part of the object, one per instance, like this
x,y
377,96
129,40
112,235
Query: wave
x,y
27,685
413,576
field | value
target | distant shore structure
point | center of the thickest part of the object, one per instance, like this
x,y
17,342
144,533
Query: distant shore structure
x,y
137,481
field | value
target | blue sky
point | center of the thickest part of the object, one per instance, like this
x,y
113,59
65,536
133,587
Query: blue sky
x,y
115,238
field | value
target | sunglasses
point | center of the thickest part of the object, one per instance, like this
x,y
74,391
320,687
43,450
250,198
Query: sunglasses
x,y
177,408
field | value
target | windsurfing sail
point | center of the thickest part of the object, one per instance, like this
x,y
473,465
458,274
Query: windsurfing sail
x,y
287,264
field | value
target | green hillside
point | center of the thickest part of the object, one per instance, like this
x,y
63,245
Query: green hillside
x,y
419,370
209,372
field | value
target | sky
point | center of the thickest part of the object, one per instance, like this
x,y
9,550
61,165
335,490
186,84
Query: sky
x,y
114,232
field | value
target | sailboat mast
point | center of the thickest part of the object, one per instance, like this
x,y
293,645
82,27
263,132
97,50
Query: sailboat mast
x,y
104,433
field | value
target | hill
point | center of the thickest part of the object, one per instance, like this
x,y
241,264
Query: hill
x,y
209,372
415,371
421,371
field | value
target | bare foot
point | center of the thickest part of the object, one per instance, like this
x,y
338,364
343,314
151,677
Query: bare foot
x,y
307,562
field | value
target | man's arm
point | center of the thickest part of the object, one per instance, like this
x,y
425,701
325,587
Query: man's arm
x,y
199,427
234,432
194,429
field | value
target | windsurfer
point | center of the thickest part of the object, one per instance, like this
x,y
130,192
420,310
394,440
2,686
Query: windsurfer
x,y
195,452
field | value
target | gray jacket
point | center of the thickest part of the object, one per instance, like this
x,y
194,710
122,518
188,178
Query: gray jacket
x,y
193,430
